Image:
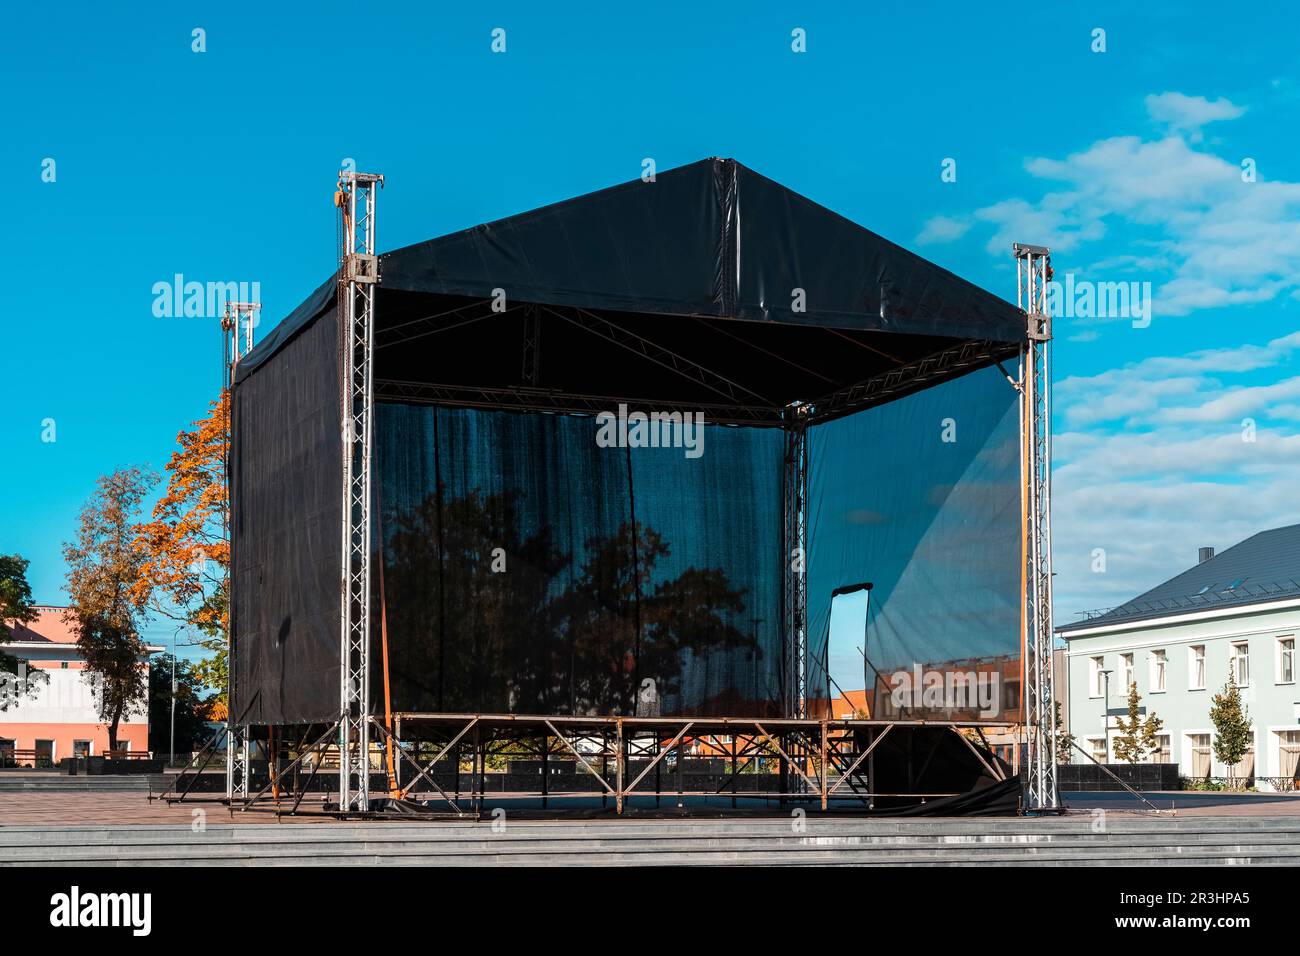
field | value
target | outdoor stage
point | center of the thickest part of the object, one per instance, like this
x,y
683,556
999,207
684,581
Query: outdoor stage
x,y
676,467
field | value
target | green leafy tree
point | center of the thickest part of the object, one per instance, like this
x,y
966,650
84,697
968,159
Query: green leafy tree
x,y
191,707
1064,739
1137,737
103,571
1231,720
15,594
15,608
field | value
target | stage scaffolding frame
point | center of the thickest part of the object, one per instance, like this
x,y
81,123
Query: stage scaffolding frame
x,y
357,294
1033,278
238,322
442,762
810,750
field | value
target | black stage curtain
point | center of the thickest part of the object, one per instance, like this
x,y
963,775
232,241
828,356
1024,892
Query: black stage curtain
x,y
529,570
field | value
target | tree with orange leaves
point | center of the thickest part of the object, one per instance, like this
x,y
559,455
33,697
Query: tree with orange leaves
x,y
186,552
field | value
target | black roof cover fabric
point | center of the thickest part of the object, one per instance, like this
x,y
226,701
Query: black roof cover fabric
x,y
713,238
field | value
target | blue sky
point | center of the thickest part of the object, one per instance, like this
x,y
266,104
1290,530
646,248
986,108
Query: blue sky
x,y
219,165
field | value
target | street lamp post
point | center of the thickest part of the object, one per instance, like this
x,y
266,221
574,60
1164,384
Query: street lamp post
x,y
172,746
1105,714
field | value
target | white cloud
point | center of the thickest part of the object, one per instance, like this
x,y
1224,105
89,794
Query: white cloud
x,y
1163,389
1182,112
943,229
1152,462
1205,239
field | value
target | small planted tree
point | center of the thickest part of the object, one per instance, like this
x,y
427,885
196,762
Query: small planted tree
x,y
1231,720
1064,739
1137,737
191,711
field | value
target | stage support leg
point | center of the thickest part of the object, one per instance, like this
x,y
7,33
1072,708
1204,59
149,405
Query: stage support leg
x,y
236,762
620,768
546,772
825,767
1033,273
795,534
358,285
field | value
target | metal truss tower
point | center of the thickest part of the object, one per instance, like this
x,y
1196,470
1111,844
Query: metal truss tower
x,y
796,558
1033,273
237,325
358,284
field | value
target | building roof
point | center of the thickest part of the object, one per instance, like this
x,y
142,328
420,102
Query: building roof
x,y
48,628
1265,567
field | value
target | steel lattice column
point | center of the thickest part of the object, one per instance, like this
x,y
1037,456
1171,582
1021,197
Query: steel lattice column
x,y
796,558
237,762
237,325
1033,273
358,283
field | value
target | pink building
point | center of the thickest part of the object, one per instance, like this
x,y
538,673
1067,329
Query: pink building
x,y
59,716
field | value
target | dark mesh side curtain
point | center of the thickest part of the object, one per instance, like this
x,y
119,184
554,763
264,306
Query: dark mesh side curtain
x,y
286,466
528,570
711,550
921,497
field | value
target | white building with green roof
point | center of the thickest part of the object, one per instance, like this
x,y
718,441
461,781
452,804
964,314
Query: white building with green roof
x,y
1235,612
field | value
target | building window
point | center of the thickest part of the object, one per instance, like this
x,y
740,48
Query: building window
x,y
1286,660
1244,769
1158,662
1239,664
44,753
1098,747
1196,667
1095,666
1162,752
1199,747
81,748
1125,671
1290,744
7,748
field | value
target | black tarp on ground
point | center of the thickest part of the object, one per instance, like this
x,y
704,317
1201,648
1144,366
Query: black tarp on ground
x,y
696,270
935,760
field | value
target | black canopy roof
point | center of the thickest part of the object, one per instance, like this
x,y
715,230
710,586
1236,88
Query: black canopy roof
x,y
675,265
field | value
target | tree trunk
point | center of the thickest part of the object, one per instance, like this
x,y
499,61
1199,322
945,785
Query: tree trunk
x,y
112,727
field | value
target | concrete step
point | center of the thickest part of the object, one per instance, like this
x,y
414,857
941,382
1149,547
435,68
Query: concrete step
x,y
631,843
951,829
1145,841
451,839
327,856
635,850
66,783
816,824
